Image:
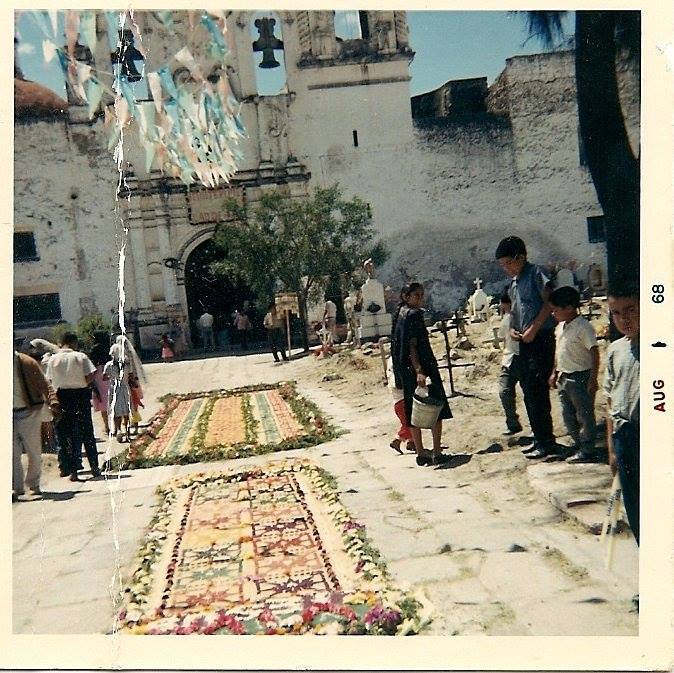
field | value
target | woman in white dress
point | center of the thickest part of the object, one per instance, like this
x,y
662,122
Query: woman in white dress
x,y
124,361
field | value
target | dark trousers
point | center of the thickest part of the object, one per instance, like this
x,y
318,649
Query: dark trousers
x,y
275,339
536,362
75,428
243,336
509,378
626,447
578,409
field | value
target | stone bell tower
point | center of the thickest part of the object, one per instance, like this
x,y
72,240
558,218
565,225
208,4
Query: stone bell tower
x,y
350,89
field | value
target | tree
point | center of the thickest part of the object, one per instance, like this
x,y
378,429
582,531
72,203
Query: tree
x,y
600,38
295,242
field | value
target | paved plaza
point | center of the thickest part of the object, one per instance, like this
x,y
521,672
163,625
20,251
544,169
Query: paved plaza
x,y
485,537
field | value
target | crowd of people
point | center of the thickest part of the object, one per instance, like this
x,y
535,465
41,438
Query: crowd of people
x,y
56,390
548,346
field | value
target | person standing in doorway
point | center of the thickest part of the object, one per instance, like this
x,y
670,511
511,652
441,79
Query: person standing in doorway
x,y
71,374
33,403
274,327
205,324
179,336
533,327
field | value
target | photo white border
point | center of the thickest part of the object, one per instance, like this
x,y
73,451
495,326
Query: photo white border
x,y
651,650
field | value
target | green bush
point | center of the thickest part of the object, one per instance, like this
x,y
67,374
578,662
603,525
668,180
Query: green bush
x,y
59,330
86,328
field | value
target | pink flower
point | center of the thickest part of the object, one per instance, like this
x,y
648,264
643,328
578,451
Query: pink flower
x,y
266,616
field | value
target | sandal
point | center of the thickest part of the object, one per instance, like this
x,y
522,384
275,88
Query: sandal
x,y
411,447
395,445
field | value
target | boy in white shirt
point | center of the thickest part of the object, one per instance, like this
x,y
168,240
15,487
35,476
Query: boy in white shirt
x,y
575,373
509,369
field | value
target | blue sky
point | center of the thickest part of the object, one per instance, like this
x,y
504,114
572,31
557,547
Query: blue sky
x,y
448,45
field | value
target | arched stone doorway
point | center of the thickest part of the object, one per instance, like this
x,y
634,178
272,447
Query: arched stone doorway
x,y
205,290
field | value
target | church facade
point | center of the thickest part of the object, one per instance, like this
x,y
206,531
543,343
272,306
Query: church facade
x,y
447,174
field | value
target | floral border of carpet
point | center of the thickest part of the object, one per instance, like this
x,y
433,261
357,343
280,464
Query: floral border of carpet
x,y
374,607
315,429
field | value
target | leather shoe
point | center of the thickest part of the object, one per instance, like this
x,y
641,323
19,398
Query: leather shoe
x,y
537,453
582,457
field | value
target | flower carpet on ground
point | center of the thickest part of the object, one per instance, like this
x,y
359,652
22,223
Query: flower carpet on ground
x,y
266,550
226,424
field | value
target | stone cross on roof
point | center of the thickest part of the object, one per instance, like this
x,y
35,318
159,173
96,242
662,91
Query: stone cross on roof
x,y
478,283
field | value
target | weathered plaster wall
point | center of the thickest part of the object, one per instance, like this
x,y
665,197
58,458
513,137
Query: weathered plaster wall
x,y
64,191
443,200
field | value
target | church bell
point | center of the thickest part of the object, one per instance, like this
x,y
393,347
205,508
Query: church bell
x,y
268,60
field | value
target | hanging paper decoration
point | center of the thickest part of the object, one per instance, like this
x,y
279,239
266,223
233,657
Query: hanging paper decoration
x,y
88,29
185,57
72,29
150,153
218,46
114,26
48,50
53,17
167,82
94,95
166,18
189,131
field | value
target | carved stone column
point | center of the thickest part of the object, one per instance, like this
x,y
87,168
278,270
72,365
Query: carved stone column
x,y
138,257
163,223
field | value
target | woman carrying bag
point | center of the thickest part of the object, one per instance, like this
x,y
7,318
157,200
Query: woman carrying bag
x,y
416,372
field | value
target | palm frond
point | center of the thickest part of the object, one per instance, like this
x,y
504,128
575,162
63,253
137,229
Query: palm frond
x,y
545,25
628,33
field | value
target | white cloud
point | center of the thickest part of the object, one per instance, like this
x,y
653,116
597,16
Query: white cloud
x,y
25,48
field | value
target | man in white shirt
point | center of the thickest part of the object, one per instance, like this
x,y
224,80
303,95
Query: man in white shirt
x,y
71,373
274,326
330,319
205,323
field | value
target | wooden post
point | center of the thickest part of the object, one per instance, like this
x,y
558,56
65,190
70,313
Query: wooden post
x,y
384,356
449,359
288,329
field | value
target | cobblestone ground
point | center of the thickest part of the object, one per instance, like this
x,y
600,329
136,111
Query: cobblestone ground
x,y
492,553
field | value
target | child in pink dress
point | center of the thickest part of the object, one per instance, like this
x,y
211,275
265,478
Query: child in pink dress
x,y
136,402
